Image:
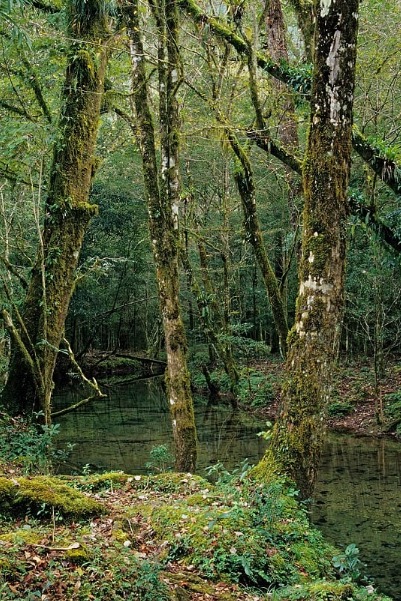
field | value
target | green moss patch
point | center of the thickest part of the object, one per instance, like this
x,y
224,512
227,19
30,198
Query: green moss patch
x,y
43,492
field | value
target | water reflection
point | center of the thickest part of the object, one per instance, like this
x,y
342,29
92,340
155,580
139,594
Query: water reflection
x,y
358,500
120,431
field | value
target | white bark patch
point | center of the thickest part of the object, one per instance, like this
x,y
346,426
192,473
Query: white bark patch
x,y
333,62
316,286
172,402
135,56
164,165
174,75
325,7
175,210
311,257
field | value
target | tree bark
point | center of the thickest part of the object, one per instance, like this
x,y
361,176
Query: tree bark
x,y
68,212
299,431
162,188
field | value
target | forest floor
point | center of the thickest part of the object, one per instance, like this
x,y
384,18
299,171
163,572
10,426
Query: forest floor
x,y
358,405
167,537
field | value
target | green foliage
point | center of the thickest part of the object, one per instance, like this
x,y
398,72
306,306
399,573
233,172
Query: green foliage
x,y
161,459
219,474
321,590
348,563
103,573
32,447
244,532
340,408
129,578
392,409
256,389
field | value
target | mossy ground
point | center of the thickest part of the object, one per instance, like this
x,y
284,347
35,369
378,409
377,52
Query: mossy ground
x,y
167,537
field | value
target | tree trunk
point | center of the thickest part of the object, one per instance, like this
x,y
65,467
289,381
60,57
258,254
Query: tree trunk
x,y
299,431
37,335
163,200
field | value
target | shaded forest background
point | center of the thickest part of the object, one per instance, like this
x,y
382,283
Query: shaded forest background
x,y
115,304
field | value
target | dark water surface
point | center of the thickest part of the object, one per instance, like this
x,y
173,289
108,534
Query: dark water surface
x,y
358,500
358,496
119,432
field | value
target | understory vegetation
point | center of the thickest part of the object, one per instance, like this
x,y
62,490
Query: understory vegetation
x,y
166,537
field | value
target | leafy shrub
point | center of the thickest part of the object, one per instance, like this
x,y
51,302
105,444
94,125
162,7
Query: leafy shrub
x,y
348,563
339,408
256,389
161,459
30,446
392,405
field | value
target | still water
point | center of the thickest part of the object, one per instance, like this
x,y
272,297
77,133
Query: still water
x,y
119,432
358,500
358,496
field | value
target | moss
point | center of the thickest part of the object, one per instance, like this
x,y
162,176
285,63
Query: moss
x,y
96,482
78,556
173,482
21,536
21,494
318,591
267,469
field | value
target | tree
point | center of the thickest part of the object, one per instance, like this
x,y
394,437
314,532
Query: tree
x,y
163,195
37,330
298,434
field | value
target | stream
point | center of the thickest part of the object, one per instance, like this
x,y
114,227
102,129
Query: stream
x,y
357,497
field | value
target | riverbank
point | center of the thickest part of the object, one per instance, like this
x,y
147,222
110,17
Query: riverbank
x,y
168,537
360,404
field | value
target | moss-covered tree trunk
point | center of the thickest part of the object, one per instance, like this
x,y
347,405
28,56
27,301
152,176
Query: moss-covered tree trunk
x,y
299,431
246,187
163,187
37,333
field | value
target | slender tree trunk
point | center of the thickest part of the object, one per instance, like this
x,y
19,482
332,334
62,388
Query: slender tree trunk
x,y
299,431
162,189
244,179
37,333
288,135
304,12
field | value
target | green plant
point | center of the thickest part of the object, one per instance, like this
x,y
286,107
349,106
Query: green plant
x,y
31,446
243,531
267,433
161,459
256,388
123,576
392,405
348,563
219,474
339,408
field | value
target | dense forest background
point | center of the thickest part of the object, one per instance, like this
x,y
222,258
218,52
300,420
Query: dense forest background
x,y
115,303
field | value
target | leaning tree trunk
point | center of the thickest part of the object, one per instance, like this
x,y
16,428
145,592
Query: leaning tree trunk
x,y
163,189
36,335
298,433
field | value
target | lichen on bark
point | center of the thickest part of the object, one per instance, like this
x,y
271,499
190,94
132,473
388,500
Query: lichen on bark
x,y
163,193
299,431
68,212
